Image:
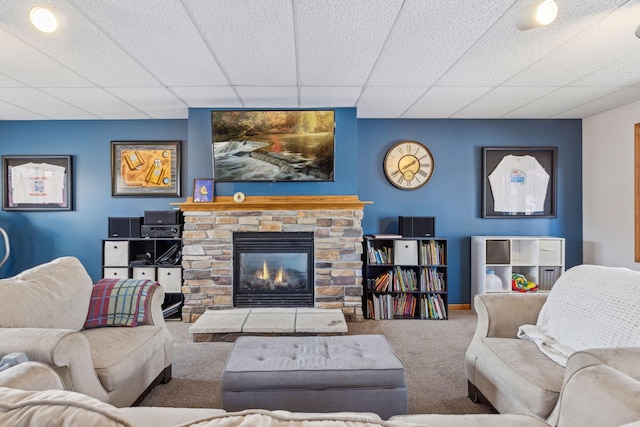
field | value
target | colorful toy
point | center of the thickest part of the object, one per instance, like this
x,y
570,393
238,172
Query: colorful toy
x,y
519,283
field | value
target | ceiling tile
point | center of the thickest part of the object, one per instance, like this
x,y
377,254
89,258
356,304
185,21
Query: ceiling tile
x,y
443,102
25,64
501,101
208,97
430,36
559,101
339,40
607,102
41,103
167,43
11,112
253,40
98,102
387,102
156,102
504,50
607,41
78,44
624,72
321,96
269,97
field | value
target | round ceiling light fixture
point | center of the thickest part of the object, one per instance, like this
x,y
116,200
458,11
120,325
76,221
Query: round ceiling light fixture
x,y
547,12
43,19
538,14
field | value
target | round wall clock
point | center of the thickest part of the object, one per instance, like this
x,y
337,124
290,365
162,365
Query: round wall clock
x,y
408,165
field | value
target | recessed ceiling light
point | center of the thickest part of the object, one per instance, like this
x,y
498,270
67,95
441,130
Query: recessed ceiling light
x,y
538,14
43,19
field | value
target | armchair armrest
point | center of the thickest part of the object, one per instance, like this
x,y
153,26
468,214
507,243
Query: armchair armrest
x,y
65,350
597,395
501,314
623,359
156,317
34,376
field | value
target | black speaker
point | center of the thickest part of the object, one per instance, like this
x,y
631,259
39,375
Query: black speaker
x,y
417,226
124,226
162,217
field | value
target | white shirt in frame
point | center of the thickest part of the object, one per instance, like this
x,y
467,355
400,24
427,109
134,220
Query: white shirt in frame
x,y
519,185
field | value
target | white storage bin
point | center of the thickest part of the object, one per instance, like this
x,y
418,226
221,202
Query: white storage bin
x,y
405,252
142,273
170,278
116,253
550,252
121,273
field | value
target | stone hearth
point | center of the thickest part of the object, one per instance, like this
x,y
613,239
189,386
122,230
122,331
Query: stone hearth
x,y
208,247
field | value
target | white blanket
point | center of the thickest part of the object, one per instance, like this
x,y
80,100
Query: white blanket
x,y
588,307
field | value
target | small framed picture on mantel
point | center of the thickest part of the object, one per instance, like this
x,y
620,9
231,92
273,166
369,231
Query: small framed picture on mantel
x,y
519,182
203,190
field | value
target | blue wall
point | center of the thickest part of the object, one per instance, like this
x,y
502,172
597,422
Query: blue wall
x,y
452,195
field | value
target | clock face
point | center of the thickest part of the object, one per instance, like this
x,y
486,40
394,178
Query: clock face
x,y
408,165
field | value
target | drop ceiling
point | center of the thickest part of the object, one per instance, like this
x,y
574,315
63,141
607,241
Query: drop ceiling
x,y
155,59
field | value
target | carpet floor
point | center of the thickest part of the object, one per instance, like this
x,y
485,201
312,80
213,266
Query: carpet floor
x,y
432,352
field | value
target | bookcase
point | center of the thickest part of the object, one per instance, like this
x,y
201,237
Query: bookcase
x,y
405,278
539,259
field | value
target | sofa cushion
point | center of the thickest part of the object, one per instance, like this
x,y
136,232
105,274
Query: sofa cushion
x,y
471,420
55,408
264,418
117,353
119,302
51,295
520,370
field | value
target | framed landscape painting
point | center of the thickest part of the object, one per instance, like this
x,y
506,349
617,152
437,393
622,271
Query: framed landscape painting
x,y
273,145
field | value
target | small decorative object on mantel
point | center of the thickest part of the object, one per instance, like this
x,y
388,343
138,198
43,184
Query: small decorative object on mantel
x,y
203,190
408,165
239,197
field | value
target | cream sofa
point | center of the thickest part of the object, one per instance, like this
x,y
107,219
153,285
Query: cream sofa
x,y
43,312
596,395
590,317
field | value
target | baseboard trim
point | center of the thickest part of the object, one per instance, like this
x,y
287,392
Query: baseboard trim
x,y
459,306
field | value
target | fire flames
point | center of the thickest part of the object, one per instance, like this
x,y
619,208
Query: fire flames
x,y
265,275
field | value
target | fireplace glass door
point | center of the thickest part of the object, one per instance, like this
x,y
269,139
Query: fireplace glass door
x,y
273,269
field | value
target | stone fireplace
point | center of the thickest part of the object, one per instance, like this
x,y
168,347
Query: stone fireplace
x,y
208,248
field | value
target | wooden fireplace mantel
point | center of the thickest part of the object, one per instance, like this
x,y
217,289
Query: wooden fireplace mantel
x,y
255,203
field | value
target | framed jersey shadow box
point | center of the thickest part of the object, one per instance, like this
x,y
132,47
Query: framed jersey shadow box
x,y
519,182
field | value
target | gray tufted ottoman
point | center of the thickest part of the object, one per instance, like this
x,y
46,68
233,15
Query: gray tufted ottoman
x,y
359,373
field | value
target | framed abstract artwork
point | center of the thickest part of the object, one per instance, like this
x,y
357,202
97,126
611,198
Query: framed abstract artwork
x,y
145,168
519,182
37,183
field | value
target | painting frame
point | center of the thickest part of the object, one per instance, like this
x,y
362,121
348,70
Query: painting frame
x,y
53,163
200,195
146,168
546,158
273,145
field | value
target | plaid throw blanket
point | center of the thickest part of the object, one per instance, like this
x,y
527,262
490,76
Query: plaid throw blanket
x,y
118,302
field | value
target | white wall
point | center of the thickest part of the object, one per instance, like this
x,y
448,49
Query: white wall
x,y
608,187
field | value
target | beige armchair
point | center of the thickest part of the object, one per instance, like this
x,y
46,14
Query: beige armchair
x,y
43,312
